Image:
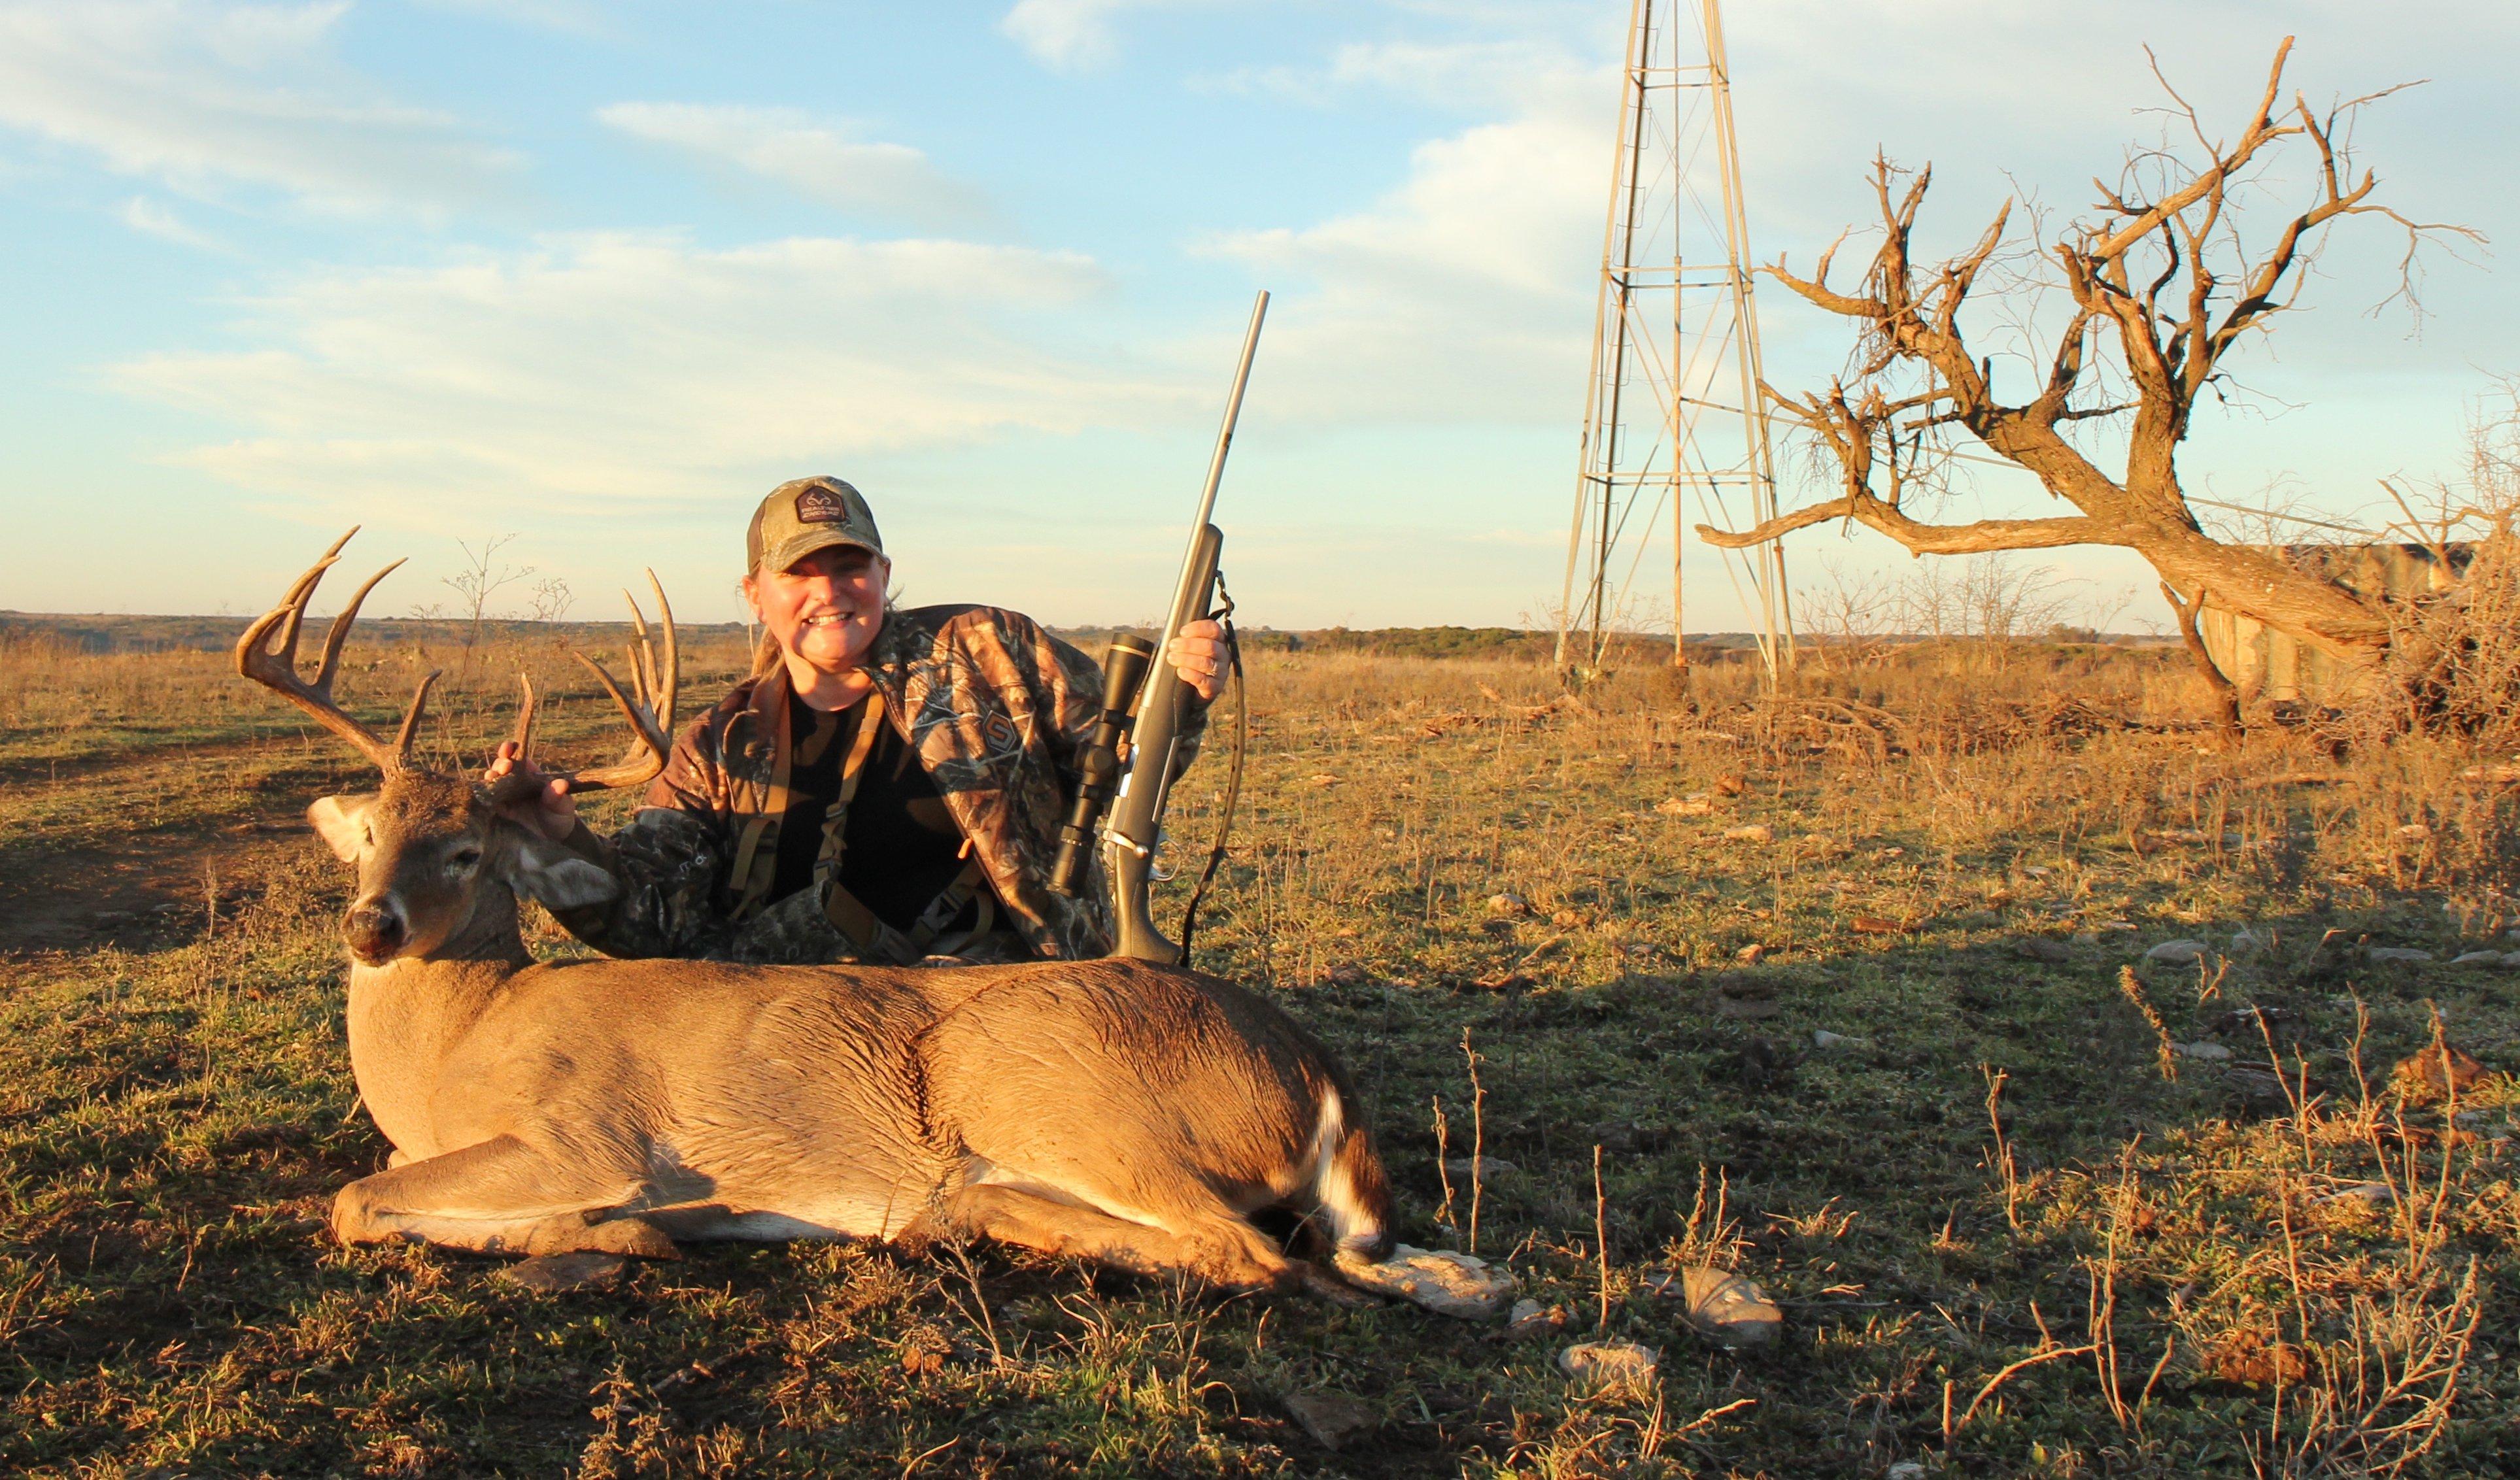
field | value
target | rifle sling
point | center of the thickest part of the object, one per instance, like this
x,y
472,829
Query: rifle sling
x,y
868,935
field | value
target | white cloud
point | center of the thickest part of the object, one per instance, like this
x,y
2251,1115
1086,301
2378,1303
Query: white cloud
x,y
1064,33
578,18
819,158
1464,295
600,374
1473,73
206,98
1071,34
147,217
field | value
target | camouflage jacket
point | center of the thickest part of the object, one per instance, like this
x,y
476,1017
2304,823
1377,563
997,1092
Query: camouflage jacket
x,y
999,713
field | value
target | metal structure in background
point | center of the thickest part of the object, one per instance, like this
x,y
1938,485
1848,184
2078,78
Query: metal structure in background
x,y
1672,415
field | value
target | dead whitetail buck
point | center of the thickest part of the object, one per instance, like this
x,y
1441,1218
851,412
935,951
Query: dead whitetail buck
x,y
1106,1110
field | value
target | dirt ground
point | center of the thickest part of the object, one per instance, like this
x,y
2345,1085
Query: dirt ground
x,y
74,875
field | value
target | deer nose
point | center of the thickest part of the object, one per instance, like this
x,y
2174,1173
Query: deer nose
x,y
374,929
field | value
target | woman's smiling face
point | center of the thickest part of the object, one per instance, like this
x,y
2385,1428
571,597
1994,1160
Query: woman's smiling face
x,y
825,609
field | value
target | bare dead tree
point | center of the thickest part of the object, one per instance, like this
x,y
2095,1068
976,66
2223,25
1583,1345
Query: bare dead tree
x,y
481,578
2163,287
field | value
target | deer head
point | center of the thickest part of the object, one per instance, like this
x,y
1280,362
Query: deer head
x,y
439,868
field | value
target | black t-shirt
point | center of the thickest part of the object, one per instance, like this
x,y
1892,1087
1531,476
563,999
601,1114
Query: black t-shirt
x,y
903,847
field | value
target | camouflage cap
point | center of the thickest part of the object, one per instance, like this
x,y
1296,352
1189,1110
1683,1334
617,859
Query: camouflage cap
x,y
806,515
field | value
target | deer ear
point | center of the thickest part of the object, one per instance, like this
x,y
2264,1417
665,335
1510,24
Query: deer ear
x,y
342,823
555,879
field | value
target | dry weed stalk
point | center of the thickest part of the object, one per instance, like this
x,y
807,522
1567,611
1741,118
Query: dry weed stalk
x,y
1443,1173
2002,1159
2166,1052
2377,1398
2101,1316
2048,1351
1600,1241
1709,1239
1478,1136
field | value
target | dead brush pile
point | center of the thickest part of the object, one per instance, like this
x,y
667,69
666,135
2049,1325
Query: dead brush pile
x,y
2364,1217
1937,699
1957,723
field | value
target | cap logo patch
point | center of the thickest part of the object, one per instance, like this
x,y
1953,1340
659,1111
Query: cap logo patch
x,y
819,504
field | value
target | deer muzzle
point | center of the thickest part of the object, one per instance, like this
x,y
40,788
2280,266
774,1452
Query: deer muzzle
x,y
375,930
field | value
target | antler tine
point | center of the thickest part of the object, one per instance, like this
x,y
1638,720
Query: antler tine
x,y
411,719
526,715
339,632
293,610
673,674
642,654
644,761
652,713
300,592
274,664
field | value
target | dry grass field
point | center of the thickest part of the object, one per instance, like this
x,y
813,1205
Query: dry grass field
x,y
2035,1204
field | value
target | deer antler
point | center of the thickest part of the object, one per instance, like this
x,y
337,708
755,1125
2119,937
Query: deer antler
x,y
651,712
274,664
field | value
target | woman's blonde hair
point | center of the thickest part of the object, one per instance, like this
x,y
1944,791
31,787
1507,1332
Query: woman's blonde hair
x,y
767,656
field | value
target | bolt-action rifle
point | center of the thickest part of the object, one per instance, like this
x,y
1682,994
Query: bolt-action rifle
x,y
1143,705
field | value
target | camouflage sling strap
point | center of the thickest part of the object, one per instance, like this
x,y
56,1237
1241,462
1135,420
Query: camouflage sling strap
x,y
872,939
1234,773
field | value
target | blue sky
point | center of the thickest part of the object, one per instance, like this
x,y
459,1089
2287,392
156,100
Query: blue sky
x,y
599,274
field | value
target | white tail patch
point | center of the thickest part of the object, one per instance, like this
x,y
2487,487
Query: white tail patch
x,y
1352,1223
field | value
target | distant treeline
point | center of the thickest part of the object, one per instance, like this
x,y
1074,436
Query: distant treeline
x,y
1512,643
105,634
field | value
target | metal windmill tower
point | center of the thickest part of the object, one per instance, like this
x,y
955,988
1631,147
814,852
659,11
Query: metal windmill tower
x,y
1672,416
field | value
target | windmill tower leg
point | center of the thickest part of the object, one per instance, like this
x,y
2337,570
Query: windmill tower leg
x,y
1675,336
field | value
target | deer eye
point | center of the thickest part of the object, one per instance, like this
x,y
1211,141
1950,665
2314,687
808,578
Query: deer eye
x,y
464,859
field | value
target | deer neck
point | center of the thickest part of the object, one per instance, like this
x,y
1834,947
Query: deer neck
x,y
409,1014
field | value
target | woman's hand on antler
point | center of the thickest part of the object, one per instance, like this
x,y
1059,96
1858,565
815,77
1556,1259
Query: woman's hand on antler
x,y
548,809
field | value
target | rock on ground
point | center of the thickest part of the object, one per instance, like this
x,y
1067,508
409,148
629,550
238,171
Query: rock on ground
x,y
2436,1070
551,1273
1331,1418
1443,1280
2362,1191
1609,1361
2177,952
1529,1319
1723,1306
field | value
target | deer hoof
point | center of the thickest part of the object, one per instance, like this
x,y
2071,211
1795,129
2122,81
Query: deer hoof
x,y
635,1237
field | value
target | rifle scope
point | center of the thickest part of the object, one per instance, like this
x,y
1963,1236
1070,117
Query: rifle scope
x,y
1124,674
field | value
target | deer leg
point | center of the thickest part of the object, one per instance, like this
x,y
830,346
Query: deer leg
x,y
1223,1250
500,1197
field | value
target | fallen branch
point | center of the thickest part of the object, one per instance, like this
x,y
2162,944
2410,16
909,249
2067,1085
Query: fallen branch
x,y
1999,1378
